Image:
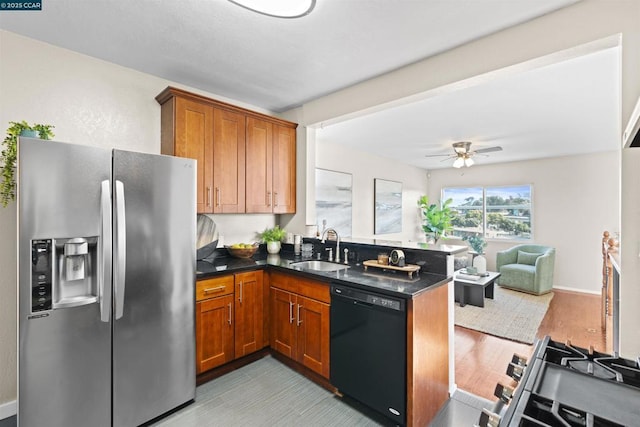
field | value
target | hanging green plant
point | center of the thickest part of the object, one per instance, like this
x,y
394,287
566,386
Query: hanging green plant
x,y
9,154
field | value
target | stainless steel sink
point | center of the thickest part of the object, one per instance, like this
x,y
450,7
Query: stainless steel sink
x,y
319,266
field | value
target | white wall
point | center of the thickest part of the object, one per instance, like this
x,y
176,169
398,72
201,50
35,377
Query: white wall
x,y
89,102
364,168
575,199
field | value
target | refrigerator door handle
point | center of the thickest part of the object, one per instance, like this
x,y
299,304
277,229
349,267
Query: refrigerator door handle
x,y
120,249
104,280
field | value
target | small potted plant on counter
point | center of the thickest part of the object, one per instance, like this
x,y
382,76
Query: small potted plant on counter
x,y
9,154
273,237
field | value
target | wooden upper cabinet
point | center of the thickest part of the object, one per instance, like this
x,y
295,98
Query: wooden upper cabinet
x,y
246,160
194,139
271,167
259,166
228,162
284,169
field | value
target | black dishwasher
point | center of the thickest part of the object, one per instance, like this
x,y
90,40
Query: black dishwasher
x,y
368,349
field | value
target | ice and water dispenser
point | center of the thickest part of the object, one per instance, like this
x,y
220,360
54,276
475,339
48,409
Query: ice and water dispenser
x,y
64,272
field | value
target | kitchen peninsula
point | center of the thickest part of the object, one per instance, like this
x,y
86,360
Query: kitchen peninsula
x,y
294,305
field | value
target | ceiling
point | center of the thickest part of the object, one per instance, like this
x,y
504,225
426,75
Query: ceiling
x,y
570,107
278,64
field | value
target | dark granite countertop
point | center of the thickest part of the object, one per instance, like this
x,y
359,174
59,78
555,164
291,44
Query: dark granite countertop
x,y
395,283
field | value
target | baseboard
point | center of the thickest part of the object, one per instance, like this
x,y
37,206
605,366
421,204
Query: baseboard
x,y
578,291
8,409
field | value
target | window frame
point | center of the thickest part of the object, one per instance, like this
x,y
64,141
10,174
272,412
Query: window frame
x,y
484,189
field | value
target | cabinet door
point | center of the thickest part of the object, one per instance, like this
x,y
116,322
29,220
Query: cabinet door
x,y
194,139
249,313
259,152
228,162
312,344
284,169
283,333
214,332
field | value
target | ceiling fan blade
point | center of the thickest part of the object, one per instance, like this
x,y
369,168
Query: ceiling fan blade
x,y
488,150
438,155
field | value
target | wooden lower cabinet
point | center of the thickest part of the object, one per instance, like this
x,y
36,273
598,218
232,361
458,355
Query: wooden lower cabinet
x,y
299,324
229,318
214,332
249,316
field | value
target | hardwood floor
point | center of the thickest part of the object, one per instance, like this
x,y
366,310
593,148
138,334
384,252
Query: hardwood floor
x,y
481,359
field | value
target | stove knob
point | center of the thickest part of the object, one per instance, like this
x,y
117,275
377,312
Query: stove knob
x,y
503,392
489,419
519,360
515,371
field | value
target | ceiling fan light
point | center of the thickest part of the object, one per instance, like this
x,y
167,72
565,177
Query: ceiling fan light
x,y
468,162
278,8
458,163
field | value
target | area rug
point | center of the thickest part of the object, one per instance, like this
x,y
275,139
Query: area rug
x,y
511,314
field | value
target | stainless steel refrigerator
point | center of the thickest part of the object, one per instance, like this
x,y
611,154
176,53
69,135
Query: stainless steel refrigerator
x,y
106,275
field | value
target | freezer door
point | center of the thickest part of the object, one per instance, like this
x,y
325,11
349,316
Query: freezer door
x,y
64,351
154,285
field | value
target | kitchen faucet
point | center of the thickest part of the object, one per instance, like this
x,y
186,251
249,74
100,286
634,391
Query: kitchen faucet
x,y
324,233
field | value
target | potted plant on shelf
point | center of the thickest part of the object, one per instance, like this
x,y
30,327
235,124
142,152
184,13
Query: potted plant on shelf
x,y
273,237
8,157
437,218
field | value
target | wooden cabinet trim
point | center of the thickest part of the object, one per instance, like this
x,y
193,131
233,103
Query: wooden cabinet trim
x,y
170,92
427,371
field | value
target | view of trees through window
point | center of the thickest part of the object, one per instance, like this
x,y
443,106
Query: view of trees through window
x,y
493,212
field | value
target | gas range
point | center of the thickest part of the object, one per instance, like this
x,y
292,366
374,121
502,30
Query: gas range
x,y
565,385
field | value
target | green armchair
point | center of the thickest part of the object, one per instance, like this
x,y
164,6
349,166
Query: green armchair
x,y
527,268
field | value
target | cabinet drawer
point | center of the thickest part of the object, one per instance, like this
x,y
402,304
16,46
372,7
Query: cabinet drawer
x,y
214,287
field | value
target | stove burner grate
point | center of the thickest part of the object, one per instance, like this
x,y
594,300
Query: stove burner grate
x,y
541,411
594,363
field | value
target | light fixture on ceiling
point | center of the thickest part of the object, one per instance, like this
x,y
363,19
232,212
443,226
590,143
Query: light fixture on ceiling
x,y
463,159
278,8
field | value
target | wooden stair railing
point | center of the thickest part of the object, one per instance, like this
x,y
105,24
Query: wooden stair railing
x,y
609,246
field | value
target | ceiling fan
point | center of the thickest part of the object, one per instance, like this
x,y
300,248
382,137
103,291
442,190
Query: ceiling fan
x,y
462,153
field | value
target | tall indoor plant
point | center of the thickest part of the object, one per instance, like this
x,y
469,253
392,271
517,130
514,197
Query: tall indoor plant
x,y
437,217
9,154
273,237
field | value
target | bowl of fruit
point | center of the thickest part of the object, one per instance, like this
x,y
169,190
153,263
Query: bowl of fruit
x,y
242,250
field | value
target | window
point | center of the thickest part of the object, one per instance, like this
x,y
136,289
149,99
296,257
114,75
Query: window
x,y
494,212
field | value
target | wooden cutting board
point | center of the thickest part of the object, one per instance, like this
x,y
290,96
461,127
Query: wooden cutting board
x,y
409,268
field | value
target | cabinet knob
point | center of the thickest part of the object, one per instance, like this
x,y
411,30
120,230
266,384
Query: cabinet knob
x,y
515,371
489,419
503,392
519,360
